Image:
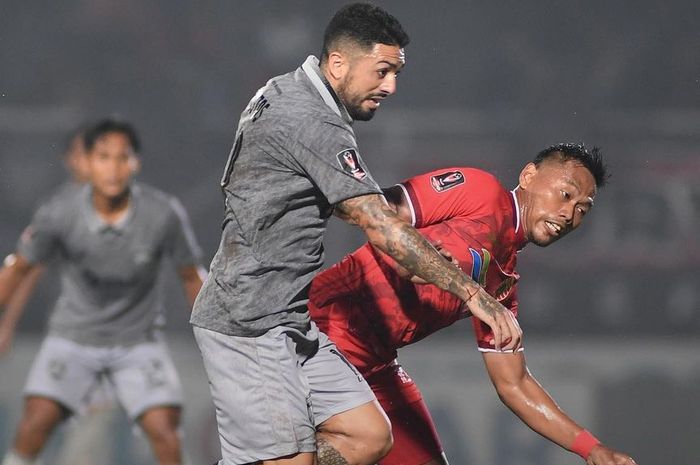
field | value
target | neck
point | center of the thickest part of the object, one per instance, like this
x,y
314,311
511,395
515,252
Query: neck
x,y
523,199
110,209
330,81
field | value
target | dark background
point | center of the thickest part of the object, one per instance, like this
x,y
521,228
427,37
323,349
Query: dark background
x,y
487,84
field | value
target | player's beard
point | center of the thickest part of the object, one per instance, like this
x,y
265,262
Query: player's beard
x,y
353,103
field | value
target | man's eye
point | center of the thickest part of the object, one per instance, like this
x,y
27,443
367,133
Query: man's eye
x,y
566,195
382,72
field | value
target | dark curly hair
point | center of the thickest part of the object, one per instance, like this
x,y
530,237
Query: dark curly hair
x,y
363,24
590,159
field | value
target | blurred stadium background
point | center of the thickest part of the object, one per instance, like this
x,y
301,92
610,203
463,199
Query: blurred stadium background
x,y
611,315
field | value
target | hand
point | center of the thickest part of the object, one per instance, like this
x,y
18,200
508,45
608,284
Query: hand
x,y
507,334
602,455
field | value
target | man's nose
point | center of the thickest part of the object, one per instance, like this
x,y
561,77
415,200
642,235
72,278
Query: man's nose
x,y
388,84
567,212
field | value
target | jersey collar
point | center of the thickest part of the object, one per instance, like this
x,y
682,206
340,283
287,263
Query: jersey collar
x,y
520,241
319,81
96,224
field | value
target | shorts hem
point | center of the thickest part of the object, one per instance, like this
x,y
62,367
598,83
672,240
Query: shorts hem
x,y
345,406
283,452
146,407
53,397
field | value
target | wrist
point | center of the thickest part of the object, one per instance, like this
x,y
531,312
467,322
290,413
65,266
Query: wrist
x,y
583,444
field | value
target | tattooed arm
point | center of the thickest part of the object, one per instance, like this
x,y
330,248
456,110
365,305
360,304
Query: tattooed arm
x,y
390,234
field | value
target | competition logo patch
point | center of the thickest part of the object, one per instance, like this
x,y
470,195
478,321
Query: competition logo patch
x,y
448,180
350,163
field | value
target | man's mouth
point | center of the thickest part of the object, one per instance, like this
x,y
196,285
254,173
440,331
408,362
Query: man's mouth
x,y
375,101
554,228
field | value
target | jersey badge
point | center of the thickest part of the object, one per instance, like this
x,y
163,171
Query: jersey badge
x,y
480,265
350,163
447,180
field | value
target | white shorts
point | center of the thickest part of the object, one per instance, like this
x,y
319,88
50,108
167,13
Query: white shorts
x,y
141,376
272,391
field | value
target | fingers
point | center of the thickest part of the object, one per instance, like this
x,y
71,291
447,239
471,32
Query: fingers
x,y
623,459
507,334
497,331
516,332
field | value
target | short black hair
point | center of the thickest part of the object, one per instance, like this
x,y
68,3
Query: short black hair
x,y
590,159
107,126
364,24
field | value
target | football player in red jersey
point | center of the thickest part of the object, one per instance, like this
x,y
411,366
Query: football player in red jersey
x,y
369,306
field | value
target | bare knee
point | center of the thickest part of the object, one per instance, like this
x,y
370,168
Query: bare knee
x,y
362,436
377,439
161,427
39,418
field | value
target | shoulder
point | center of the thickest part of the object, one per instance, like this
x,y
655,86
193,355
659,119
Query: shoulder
x,y
158,202
460,180
64,202
295,102
487,184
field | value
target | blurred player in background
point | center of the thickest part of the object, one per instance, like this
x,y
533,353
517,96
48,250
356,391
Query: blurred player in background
x,y
86,440
369,306
111,237
75,164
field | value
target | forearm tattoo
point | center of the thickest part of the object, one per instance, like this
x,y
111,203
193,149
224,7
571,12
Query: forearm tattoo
x,y
404,244
327,455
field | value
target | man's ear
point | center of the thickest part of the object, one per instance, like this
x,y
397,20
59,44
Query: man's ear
x,y
526,175
134,164
337,65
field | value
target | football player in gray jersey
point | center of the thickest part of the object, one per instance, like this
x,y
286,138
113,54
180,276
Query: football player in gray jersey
x,y
75,165
284,394
111,237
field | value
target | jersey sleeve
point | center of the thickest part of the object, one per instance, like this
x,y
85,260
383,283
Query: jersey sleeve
x,y
40,240
328,155
448,193
181,245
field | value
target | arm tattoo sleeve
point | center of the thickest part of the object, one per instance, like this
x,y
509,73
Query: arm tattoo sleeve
x,y
404,244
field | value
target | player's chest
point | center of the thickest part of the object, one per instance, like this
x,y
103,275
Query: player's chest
x,y
114,254
494,272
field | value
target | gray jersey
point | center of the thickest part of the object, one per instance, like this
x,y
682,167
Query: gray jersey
x,y
294,157
109,293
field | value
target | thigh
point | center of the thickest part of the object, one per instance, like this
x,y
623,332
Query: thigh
x,y
143,377
336,385
260,393
64,372
416,441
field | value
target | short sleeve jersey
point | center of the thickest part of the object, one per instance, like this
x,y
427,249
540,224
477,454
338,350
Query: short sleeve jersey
x,y
294,157
475,218
109,286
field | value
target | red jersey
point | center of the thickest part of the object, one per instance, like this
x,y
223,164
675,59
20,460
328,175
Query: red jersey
x,y
369,311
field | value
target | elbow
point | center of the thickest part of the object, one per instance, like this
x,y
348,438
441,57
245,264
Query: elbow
x,y
508,391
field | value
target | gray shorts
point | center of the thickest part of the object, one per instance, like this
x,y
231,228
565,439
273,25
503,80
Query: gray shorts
x,y
272,391
141,376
